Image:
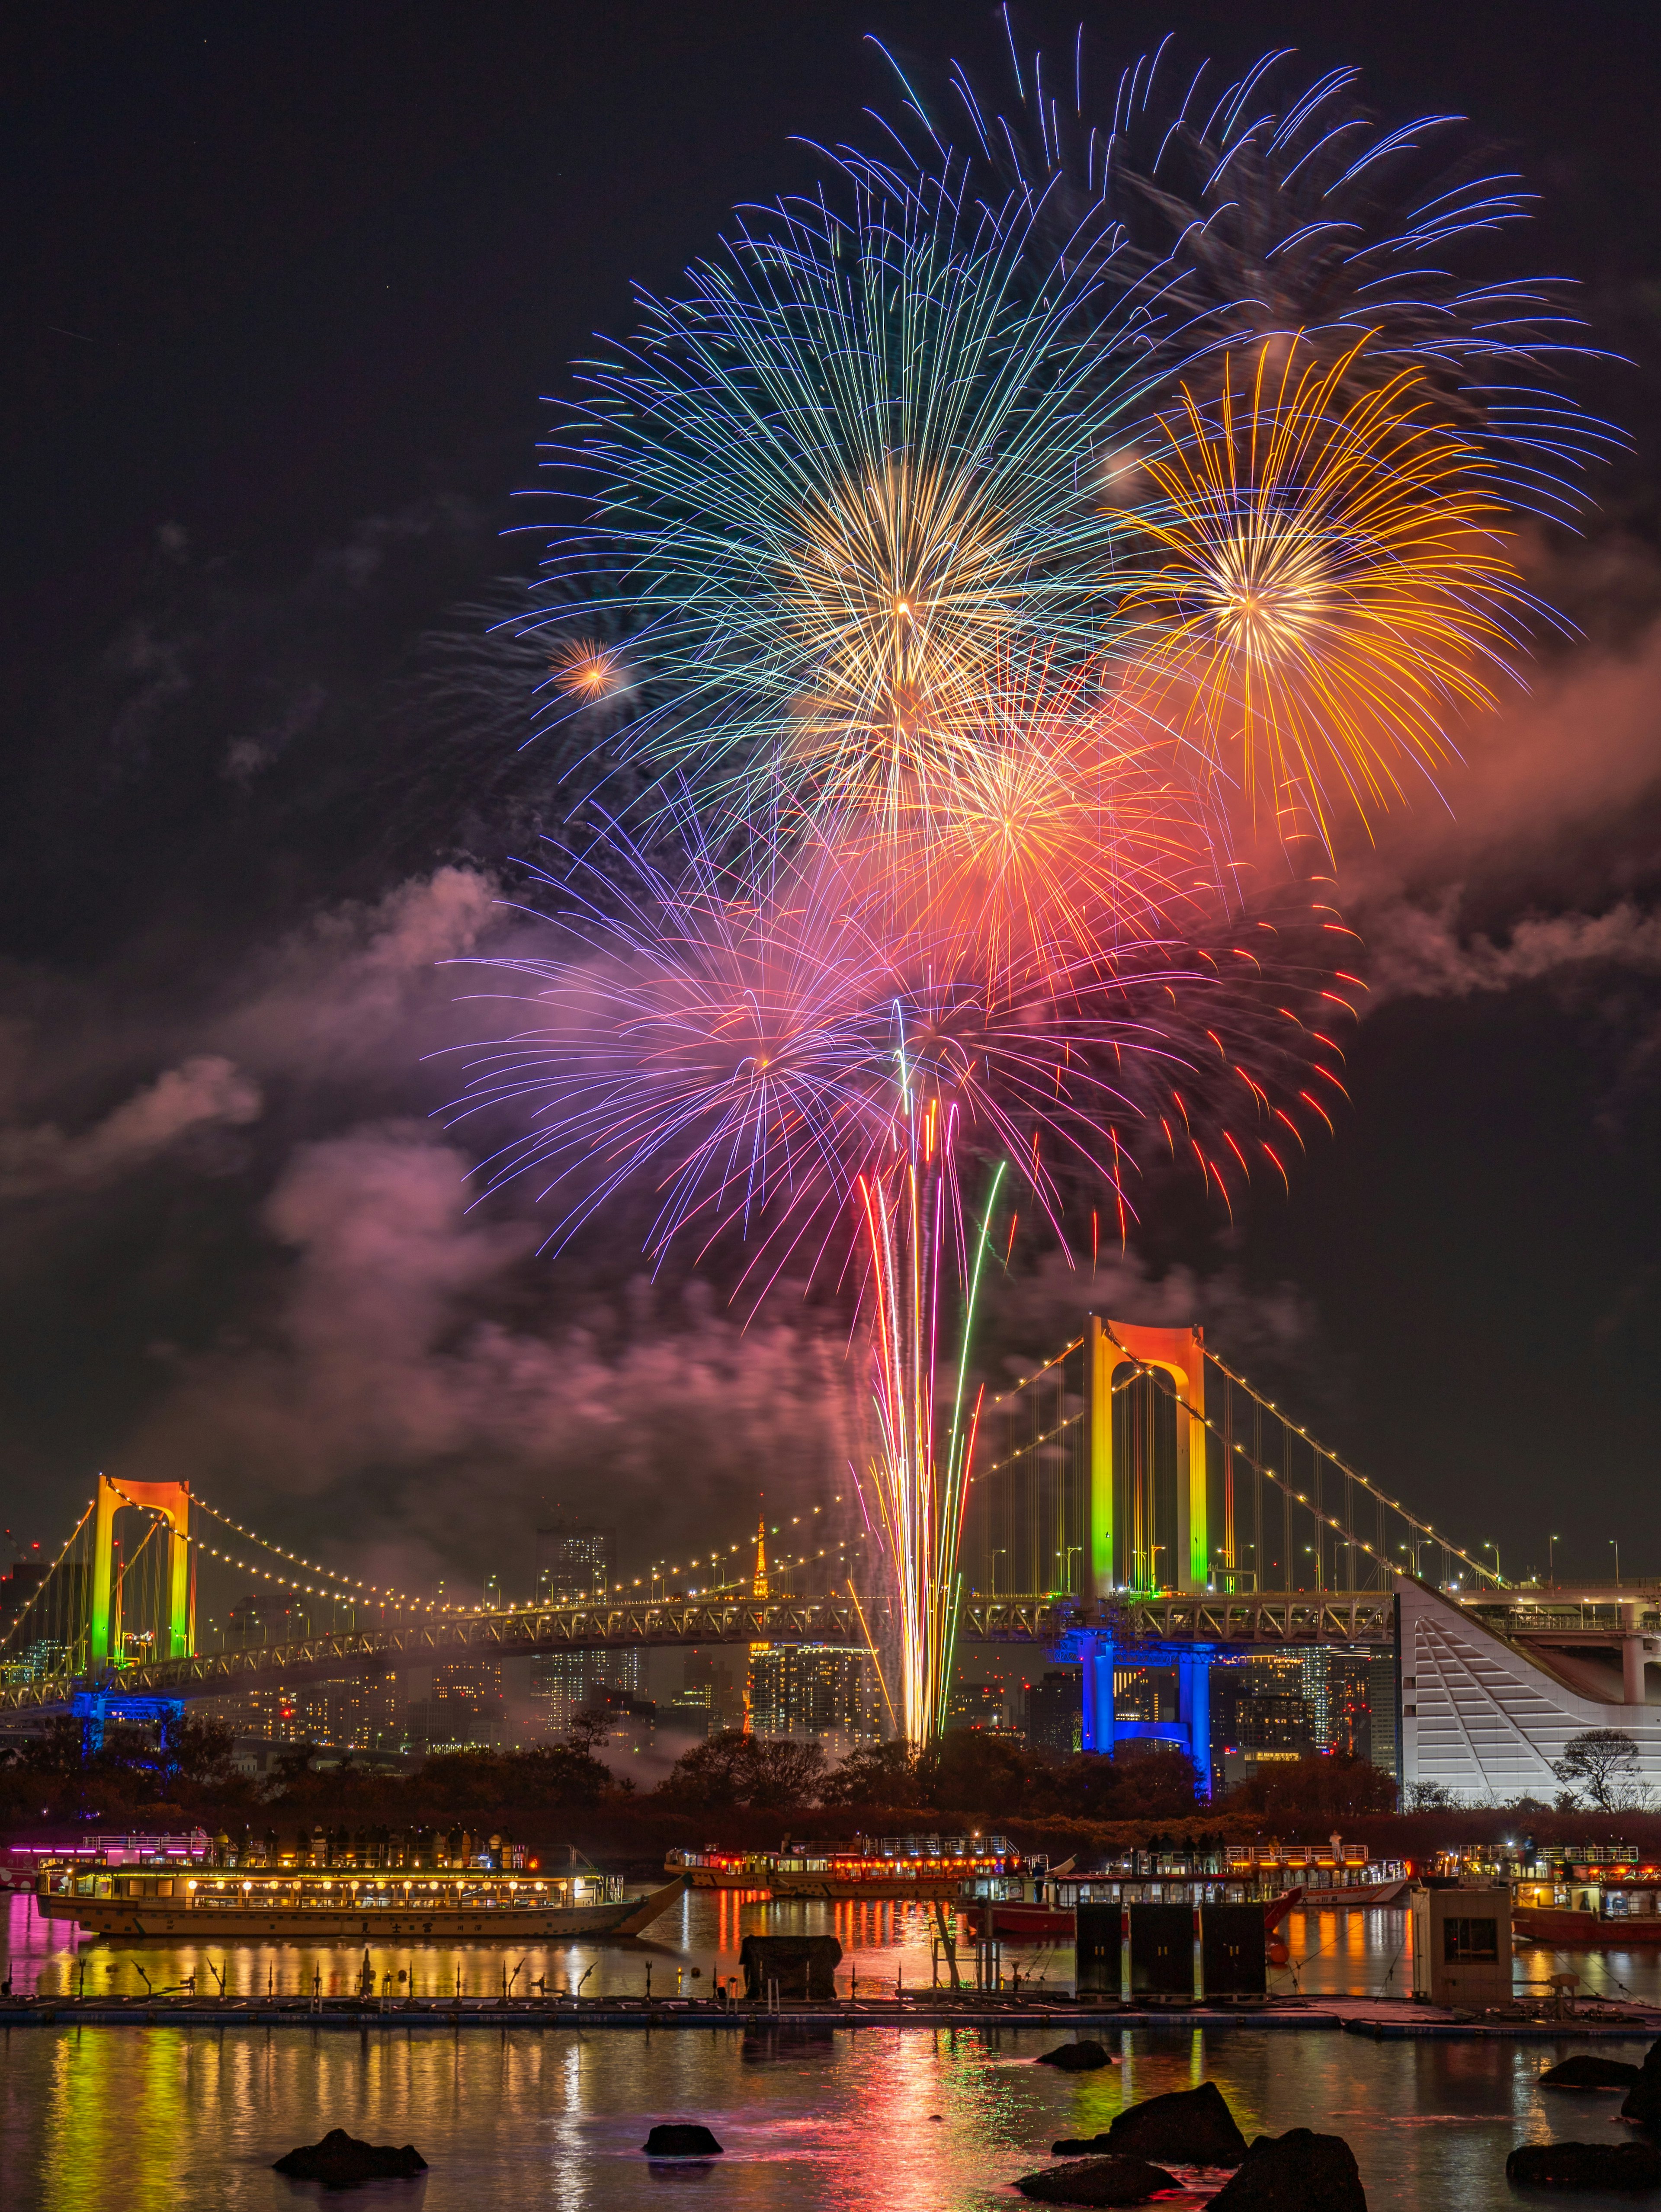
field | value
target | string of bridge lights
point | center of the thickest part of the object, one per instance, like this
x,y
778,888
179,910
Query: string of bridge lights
x,y
350,1591
46,1579
1034,1444
1143,1368
1353,1475
1038,1371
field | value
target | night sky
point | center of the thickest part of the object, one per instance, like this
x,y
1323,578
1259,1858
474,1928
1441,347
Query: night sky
x,y
286,289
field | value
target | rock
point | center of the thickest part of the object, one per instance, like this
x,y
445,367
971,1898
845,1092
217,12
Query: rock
x,y
1587,2166
1097,2181
1643,2099
678,2140
1585,2070
344,2162
1075,2057
1194,2127
1298,2171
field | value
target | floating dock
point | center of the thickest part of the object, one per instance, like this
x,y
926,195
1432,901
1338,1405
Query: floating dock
x,y
1382,2018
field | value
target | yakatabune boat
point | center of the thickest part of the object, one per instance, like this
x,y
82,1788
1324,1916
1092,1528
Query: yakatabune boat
x,y
878,1867
244,1903
1589,1905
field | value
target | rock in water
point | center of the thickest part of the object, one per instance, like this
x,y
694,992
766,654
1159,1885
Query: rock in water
x,y
676,2140
1097,2181
1587,2166
1075,2057
1585,2070
1643,2099
344,2162
1194,2127
1298,2171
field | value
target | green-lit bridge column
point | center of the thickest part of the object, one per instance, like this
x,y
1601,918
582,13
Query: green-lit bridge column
x,y
172,1500
1181,1353
1099,1355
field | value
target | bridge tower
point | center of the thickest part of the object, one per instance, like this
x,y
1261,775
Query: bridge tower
x,y
172,1500
1180,1352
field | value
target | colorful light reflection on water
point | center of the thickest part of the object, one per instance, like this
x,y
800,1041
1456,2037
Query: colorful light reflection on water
x,y
169,2119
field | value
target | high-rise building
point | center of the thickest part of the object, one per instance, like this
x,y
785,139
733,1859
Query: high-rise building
x,y
1384,1752
458,1707
576,1561
1349,1704
975,1705
711,1699
812,1691
1055,1710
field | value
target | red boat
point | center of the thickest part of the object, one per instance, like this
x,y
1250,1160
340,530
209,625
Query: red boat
x,y
1589,1905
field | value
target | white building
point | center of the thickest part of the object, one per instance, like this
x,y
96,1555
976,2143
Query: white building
x,y
1485,1716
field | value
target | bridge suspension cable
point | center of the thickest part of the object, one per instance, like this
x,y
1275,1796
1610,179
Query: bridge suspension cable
x,y
1353,1475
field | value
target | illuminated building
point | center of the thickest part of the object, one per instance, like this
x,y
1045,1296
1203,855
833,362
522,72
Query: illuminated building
x,y
1055,1710
576,1561
815,1691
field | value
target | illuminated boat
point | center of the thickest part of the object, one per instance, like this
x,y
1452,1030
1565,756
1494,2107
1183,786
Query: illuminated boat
x,y
243,1904
1589,1905
879,1868
1024,1905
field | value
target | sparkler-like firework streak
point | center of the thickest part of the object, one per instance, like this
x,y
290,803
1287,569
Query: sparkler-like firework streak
x,y
970,552
914,1232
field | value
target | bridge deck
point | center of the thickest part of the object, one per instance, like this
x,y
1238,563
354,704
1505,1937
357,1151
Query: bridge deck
x,y
1268,1620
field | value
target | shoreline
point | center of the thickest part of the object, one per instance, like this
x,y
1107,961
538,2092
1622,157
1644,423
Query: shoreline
x,y
1379,2019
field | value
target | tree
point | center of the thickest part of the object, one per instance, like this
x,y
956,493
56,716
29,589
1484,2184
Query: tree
x,y
202,1752
1325,1788
589,1730
876,1774
773,1773
1603,1765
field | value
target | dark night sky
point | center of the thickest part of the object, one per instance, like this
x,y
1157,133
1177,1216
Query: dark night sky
x,y
285,286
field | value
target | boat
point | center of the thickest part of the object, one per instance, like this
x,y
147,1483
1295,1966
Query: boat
x,y
251,1903
880,1867
1039,1905
1589,1904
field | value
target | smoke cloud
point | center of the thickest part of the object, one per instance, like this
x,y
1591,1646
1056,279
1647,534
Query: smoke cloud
x,y
204,1092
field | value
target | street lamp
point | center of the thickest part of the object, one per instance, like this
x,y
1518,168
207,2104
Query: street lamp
x,y
1000,1553
1495,1548
1551,1560
1616,1547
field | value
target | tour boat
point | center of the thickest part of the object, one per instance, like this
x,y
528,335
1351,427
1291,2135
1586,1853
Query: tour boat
x,y
878,1867
1039,1905
248,1902
1589,1906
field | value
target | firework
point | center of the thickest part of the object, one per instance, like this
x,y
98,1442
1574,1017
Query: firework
x,y
970,551
1234,212
1327,584
844,475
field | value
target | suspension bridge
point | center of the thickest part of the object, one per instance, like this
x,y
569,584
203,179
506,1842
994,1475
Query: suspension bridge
x,y
1135,1502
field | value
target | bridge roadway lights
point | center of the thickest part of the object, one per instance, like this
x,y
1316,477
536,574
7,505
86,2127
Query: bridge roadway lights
x,y
95,1708
1103,1731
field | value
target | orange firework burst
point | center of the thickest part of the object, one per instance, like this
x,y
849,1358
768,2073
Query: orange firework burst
x,y
586,671
1326,585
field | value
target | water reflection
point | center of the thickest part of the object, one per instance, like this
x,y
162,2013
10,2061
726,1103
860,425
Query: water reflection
x,y
883,2120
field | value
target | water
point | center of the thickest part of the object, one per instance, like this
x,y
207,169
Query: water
x,y
880,2120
